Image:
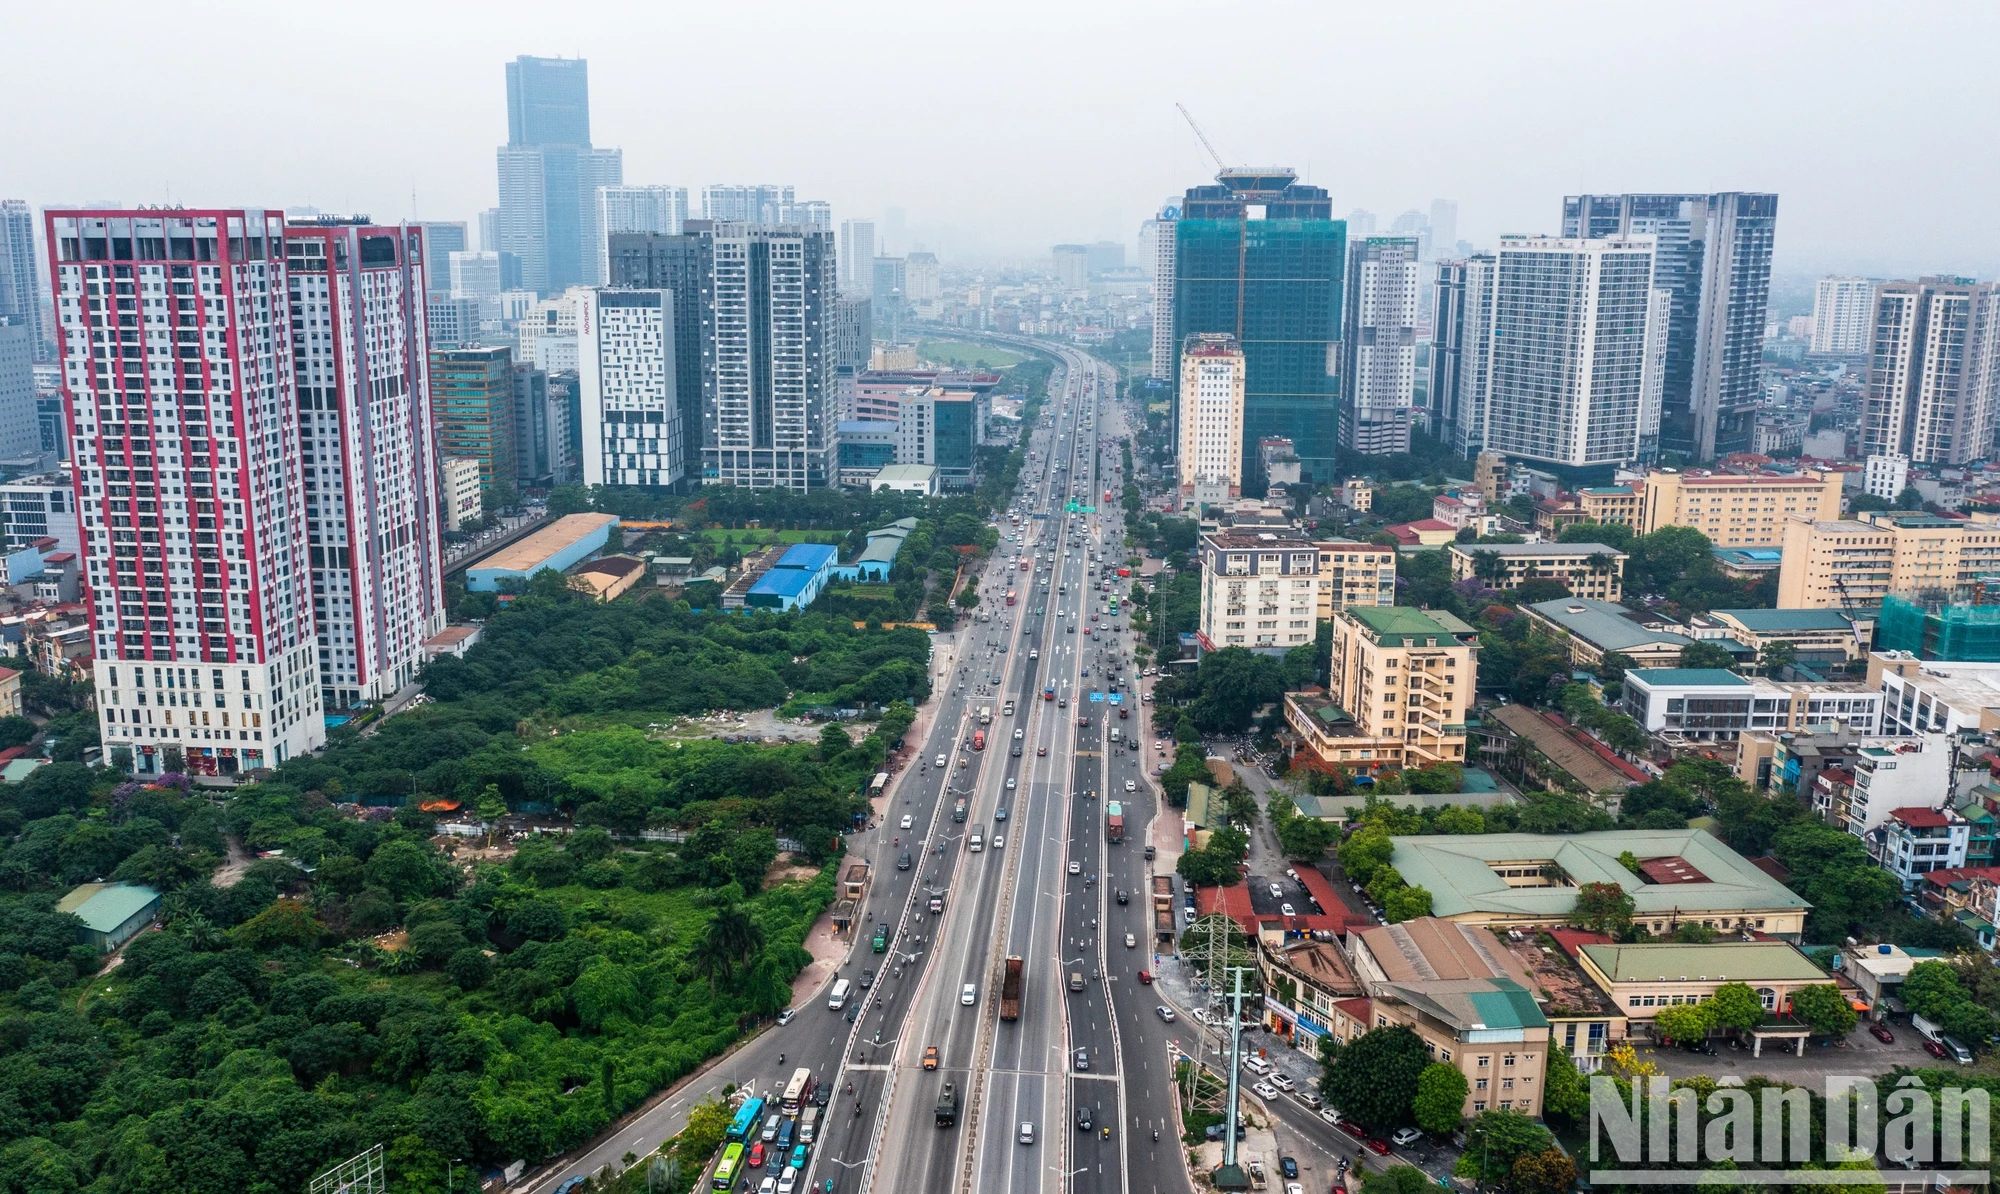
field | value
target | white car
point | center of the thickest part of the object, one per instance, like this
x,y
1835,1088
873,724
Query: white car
x,y
1265,1090
1020,733
1405,1137
999,841
908,821
969,995
1281,1080
1165,1013
1287,910
1010,783
1330,1115
1294,1188
1075,867
1027,1132
1257,1065
768,1186
1277,892
788,1181
940,761
1130,786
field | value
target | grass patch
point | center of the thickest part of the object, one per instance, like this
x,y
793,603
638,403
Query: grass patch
x,y
963,354
764,536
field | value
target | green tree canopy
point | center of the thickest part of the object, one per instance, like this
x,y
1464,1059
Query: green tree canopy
x,y
1439,1106
1374,1081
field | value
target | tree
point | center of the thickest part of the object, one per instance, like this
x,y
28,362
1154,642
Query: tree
x,y
491,808
285,922
968,597
1684,1021
1406,903
1823,1008
1777,654
1911,498
469,969
1735,1005
1440,1102
1374,1082
1364,852
1565,1095
1603,908
833,742
1550,1171
1494,1140
1706,655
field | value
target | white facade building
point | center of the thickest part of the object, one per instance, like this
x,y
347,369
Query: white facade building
x,y
1211,414
1259,591
1461,339
362,371
1885,475
1933,371
1575,358
1158,247
42,507
631,424
633,208
769,402
1379,345
857,257
1843,318
177,354
460,485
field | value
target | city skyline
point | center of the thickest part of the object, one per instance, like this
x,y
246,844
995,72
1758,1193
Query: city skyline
x,y
1124,132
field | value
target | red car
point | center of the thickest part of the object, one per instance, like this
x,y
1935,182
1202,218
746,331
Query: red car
x,y
1146,976
1353,1129
1881,1033
1379,1147
1933,1048
756,1157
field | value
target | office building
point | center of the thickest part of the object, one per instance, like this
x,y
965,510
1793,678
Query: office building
x,y
1574,369
1885,475
550,174
762,205
857,256
631,427
472,408
1736,509
1071,266
940,426
212,628
365,428
20,293
1461,332
450,322
1853,564
1713,257
1210,414
1400,686
1933,371
489,229
1157,242
564,446
1843,318
442,238
853,335
20,420
1444,225
1378,345
1260,256
1259,590
632,208
40,507
1594,570
476,275
1716,705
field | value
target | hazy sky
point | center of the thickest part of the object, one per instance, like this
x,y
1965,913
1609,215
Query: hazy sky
x,y
1003,128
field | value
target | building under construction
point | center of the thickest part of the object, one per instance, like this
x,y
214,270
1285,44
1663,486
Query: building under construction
x,y
1957,628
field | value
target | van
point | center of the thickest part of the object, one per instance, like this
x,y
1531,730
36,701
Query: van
x,y
1257,1065
838,999
976,840
785,1131
1076,980
1959,1053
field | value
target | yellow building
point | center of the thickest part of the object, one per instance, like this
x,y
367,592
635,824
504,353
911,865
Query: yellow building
x,y
1619,504
1854,563
1736,510
1402,683
1586,569
1352,573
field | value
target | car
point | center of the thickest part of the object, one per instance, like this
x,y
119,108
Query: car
x,y
1933,1048
1405,1137
903,861
1083,1059
1881,1033
1265,1090
768,1186
1379,1147
1257,1065
1281,1080
1146,976
999,841
822,1093
930,1057
785,1017
1131,942
1083,1123
1294,1188
867,979
755,1158
1016,752
788,1181
1330,1115
1027,1133
908,821
1083,721
940,761
853,1010
1062,702
1122,897
1131,786
1165,1013
1307,1097
1289,1166
999,814
1287,910
1277,891
1075,867
968,995
1699,1045
799,1152
1010,783
1040,751
1034,653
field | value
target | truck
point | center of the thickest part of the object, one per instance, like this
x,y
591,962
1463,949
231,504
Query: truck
x,y
1010,989
975,841
1007,710
979,739
937,905
1049,692
947,1107
986,715
1114,821
1163,907
958,809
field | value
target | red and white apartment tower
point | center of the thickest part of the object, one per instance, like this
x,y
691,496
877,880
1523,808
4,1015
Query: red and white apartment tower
x,y
183,415
360,362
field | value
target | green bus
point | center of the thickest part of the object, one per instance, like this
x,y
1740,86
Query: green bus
x,y
729,1166
881,938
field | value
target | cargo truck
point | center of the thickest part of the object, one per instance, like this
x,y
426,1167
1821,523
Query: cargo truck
x,y
1114,821
947,1107
979,739
1010,989
958,809
986,715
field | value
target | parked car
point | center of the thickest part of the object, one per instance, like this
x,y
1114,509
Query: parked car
x,y
1265,1090
1933,1048
1881,1033
1289,1166
1405,1137
1379,1147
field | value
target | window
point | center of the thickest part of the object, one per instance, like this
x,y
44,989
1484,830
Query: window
x,y
1484,1061
1479,1084
1479,1104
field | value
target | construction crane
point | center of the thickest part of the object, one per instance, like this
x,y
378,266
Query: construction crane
x,y
1203,137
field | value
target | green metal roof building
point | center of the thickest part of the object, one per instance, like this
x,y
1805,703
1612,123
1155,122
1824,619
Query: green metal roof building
x,y
112,913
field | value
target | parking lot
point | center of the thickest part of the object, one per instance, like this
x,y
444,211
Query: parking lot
x,y
1857,1053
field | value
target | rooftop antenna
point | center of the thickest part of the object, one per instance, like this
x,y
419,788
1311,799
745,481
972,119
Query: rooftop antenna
x,y
1203,137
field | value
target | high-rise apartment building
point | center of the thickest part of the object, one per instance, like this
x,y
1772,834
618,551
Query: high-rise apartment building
x,y
472,408
1843,317
631,419
1259,590
20,296
179,391
677,265
1713,257
442,238
361,368
1211,413
1933,371
762,204
1071,264
1260,256
1157,239
1573,375
852,336
452,321
923,280
20,420
857,257
1461,332
1444,225
1404,678
1379,345
631,208
549,175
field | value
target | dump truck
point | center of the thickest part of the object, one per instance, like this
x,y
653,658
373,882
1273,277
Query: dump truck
x,y
1010,989
1163,907
1114,821
947,1108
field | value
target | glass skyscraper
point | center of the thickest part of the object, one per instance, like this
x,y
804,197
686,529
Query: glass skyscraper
x,y
1260,256
549,176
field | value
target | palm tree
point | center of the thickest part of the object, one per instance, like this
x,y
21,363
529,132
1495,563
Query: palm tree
x,y
734,934
708,960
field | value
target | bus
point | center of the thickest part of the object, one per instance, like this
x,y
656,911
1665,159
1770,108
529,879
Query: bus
x,y
1114,605
796,1091
747,1118
1010,596
728,1167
